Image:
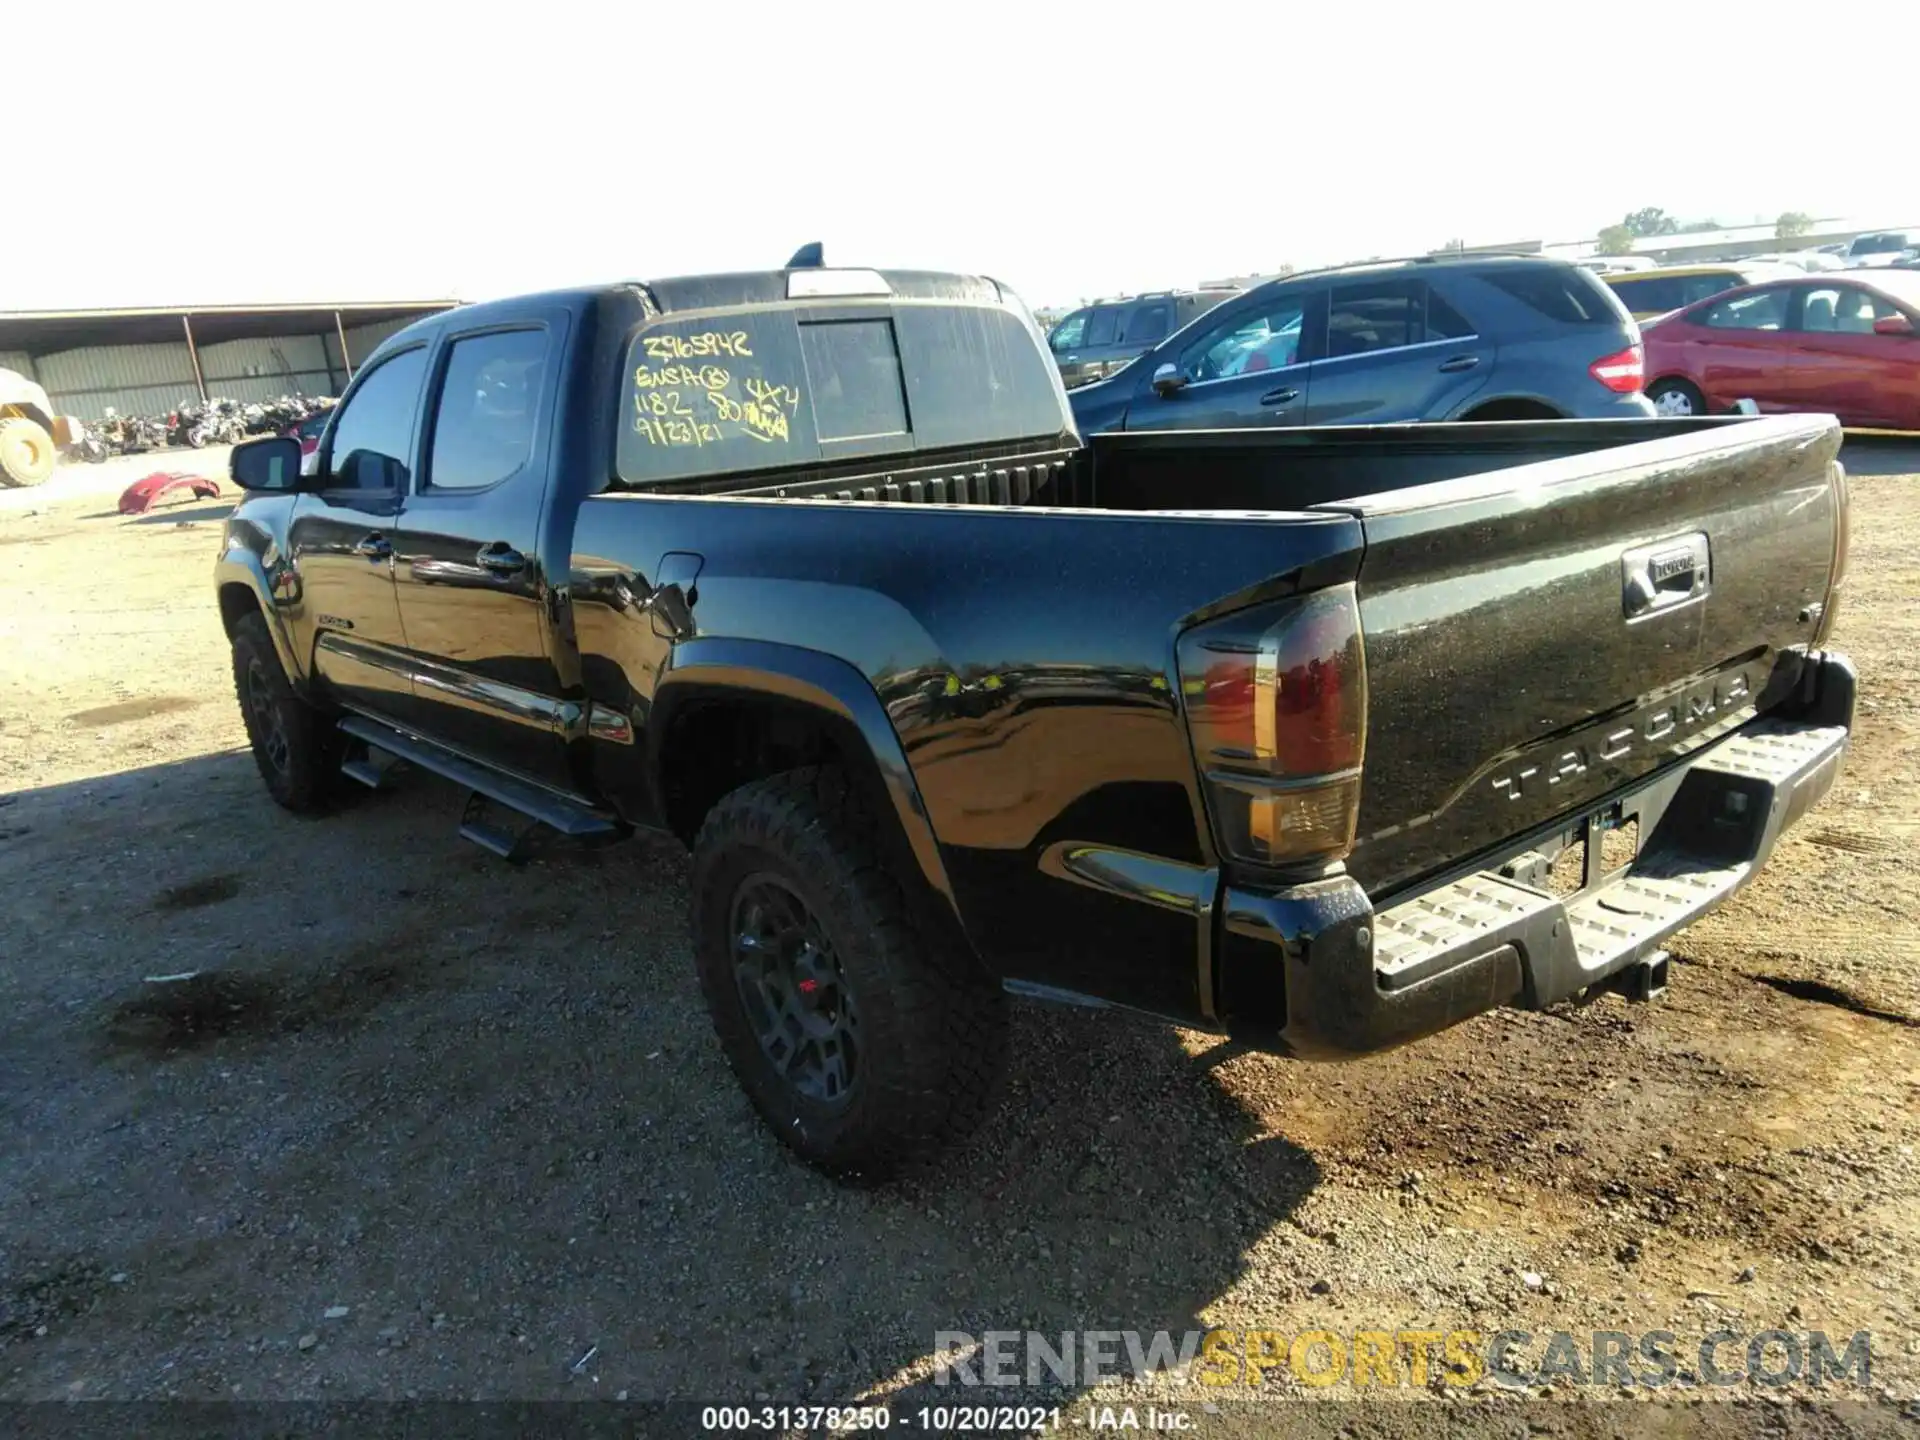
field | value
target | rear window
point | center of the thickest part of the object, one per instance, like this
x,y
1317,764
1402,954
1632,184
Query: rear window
x,y
857,388
1872,244
1570,296
775,389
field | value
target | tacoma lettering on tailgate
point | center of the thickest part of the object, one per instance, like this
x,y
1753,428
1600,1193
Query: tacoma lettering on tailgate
x,y
1667,720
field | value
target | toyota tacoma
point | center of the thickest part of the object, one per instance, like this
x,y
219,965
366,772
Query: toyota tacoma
x,y
1322,739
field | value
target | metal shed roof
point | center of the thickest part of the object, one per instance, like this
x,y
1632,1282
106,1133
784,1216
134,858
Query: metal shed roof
x,y
43,332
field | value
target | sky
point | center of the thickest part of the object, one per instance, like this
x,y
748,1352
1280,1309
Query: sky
x,y
203,153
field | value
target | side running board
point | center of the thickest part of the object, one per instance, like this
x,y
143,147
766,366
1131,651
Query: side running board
x,y
571,818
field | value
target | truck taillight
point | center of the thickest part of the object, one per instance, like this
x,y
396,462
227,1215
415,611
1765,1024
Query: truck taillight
x,y
1842,538
1276,702
1622,372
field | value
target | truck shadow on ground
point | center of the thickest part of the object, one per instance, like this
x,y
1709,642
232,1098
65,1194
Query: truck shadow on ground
x,y
482,1107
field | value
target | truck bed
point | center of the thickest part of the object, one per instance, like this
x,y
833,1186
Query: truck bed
x,y
1017,621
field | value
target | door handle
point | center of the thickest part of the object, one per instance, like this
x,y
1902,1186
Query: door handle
x,y
374,547
1458,363
501,558
1280,396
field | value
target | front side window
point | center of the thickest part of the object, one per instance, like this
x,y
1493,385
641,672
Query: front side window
x,y
483,429
1067,333
1755,310
1843,310
1265,338
1383,315
373,430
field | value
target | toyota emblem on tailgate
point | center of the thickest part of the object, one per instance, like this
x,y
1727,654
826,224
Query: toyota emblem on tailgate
x,y
1664,575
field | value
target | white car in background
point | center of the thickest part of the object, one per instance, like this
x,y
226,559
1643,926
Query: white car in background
x,y
1883,247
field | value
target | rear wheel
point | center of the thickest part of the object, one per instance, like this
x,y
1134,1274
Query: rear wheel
x,y
862,1037
27,452
1677,398
296,747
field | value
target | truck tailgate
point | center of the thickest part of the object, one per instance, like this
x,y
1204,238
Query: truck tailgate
x,y
1539,637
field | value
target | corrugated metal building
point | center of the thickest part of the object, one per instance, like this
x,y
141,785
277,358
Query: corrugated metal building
x,y
148,362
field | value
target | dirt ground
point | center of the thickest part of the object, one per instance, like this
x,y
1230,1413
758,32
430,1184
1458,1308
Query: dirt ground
x,y
428,1125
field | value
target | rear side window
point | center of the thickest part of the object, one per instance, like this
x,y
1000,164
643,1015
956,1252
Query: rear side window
x,y
1443,321
1103,326
1148,324
373,430
770,390
1191,307
1384,315
1568,297
483,427
1757,310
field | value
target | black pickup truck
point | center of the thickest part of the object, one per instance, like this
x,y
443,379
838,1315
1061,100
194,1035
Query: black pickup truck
x,y
1324,739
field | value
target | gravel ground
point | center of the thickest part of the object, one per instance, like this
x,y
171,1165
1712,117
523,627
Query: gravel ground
x,y
432,1126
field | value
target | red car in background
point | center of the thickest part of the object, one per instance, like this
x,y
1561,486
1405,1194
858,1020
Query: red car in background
x,y
1843,343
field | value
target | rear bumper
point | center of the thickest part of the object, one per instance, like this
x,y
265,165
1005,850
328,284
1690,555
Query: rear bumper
x,y
1315,971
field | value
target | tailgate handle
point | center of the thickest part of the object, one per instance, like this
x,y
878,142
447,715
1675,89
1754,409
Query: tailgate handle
x,y
1665,574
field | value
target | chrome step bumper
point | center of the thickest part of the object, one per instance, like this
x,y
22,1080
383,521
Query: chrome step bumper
x,y
1574,943
1346,979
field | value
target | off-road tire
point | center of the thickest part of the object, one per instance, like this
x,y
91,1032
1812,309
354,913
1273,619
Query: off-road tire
x,y
27,452
933,1027
296,746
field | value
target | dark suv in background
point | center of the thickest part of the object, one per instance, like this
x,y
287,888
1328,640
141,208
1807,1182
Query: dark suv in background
x,y
1099,339
1484,337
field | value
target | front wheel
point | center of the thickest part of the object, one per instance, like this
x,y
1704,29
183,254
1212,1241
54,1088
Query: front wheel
x,y
863,1038
1676,398
295,746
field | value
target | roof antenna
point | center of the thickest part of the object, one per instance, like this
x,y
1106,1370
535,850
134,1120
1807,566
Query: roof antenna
x,y
809,256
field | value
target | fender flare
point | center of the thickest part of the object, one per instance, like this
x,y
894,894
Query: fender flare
x,y
822,682
243,568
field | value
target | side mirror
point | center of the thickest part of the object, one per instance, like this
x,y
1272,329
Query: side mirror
x,y
269,464
1167,380
1893,325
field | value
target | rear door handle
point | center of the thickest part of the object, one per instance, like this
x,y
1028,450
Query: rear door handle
x,y
1458,363
501,558
374,547
1280,396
